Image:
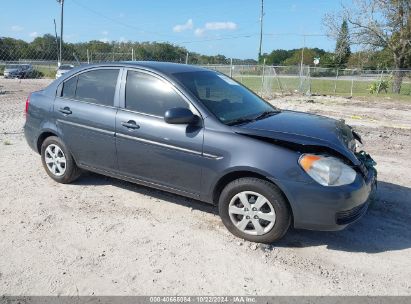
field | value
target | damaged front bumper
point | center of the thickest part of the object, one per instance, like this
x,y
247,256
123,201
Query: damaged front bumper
x,y
317,207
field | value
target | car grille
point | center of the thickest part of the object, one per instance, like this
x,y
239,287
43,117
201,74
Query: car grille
x,y
349,216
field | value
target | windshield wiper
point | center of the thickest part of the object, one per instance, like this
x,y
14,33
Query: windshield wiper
x,y
266,114
243,120
239,121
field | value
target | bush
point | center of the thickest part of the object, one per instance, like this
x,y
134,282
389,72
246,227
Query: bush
x,y
379,86
36,74
46,71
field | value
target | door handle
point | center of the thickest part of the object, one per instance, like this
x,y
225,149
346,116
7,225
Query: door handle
x,y
65,110
131,124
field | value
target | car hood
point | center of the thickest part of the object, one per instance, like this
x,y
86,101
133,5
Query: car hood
x,y
304,129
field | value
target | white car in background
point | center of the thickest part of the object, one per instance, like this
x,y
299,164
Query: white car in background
x,y
64,68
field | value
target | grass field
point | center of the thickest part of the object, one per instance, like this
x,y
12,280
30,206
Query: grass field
x,y
46,71
323,86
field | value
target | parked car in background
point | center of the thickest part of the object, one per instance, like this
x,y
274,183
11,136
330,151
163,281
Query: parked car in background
x,y
198,133
64,68
18,71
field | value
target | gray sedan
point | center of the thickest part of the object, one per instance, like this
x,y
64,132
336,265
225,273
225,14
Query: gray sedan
x,y
200,134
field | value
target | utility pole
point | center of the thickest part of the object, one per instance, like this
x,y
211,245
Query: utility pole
x,y
57,43
61,29
302,55
301,66
261,28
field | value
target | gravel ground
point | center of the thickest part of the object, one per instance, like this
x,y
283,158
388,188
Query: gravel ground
x,y
102,236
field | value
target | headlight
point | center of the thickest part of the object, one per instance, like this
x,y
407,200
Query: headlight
x,y
327,170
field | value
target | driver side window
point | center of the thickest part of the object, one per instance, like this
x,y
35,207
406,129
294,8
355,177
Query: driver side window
x,y
149,95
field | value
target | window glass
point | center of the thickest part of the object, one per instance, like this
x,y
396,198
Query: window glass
x,y
226,99
147,94
97,86
69,88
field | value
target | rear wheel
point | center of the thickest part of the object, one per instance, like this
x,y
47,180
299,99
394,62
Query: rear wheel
x,y
255,210
58,162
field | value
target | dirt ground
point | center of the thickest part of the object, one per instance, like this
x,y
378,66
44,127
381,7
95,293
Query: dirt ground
x,y
102,236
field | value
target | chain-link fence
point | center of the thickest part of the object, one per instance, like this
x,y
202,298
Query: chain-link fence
x,y
268,81
271,81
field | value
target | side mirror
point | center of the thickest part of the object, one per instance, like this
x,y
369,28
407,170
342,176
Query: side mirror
x,y
180,116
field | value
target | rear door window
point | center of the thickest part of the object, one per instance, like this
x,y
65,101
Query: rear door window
x,y
69,88
97,86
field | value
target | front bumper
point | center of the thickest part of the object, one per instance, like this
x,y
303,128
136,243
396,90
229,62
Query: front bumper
x,y
12,75
317,207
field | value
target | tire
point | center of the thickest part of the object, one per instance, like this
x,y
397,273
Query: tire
x,y
265,224
58,161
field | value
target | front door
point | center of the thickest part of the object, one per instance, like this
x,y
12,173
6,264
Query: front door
x,y
150,149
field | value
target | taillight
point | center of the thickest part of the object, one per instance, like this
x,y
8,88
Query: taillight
x,y
26,109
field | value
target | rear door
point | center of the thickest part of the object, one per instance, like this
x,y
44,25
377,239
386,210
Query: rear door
x,y
85,110
150,149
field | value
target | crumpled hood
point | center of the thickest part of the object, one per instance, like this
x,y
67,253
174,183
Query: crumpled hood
x,y
304,129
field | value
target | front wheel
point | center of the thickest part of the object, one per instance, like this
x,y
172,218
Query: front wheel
x,y
255,210
58,162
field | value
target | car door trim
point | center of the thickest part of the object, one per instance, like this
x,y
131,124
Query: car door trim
x,y
160,144
86,127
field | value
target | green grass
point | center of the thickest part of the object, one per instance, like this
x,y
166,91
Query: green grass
x,y
326,87
46,71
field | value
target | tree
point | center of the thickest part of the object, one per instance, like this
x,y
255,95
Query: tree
x,y
309,55
380,24
277,57
13,49
45,47
342,47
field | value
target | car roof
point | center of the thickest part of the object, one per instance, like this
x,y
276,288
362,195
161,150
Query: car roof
x,y
167,68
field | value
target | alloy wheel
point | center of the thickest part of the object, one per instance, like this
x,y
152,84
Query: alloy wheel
x,y
55,160
252,213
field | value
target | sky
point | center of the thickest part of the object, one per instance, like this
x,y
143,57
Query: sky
x,y
227,27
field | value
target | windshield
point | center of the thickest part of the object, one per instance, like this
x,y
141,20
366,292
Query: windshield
x,y
229,101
